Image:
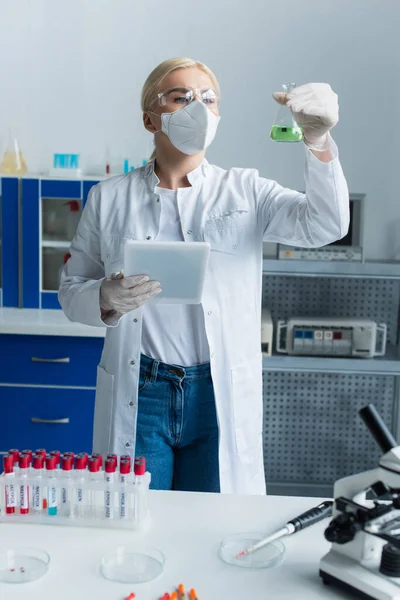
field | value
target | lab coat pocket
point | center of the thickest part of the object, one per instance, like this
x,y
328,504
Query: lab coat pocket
x,y
246,382
225,233
103,411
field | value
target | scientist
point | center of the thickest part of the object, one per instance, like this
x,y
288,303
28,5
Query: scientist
x,y
182,385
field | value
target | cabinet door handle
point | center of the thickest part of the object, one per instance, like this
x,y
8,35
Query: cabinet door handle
x,y
51,421
36,359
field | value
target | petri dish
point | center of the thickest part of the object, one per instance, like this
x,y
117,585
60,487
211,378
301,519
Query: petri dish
x,y
20,565
270,556
132,564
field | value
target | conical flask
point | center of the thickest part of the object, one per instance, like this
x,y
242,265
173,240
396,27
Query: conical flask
x,y
285,128
13,162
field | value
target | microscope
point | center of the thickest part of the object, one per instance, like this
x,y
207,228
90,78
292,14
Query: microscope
x,y
365,530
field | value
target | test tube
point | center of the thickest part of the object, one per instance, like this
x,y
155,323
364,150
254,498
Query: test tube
x,y
28,453
110,468
37,492
15,454
94,475
51,462
9,474
140,472
80,467
124,470
23,488
57,455
66,473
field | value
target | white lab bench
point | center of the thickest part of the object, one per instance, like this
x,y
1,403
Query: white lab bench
x,y
188,528
34,321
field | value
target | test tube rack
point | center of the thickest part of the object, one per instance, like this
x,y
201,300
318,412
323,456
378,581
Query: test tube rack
x,y
75,502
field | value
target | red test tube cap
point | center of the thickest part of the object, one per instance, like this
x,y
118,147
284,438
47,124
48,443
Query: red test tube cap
x,y
94,465
67,463
8,463
51,462
24,461
57,455
80,462
41,452
125,467
99,458
140,465
110,465
38,461
29,453
113,457
15,454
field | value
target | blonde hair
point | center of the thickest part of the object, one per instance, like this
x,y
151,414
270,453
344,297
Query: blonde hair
x,y
153,83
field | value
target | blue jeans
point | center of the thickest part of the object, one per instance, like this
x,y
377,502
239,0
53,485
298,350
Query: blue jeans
x,y
177,428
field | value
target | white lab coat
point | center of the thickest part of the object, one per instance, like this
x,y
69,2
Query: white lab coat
x,y
233,210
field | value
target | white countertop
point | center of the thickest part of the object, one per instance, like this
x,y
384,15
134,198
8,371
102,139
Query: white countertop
x,y
31,321
188,528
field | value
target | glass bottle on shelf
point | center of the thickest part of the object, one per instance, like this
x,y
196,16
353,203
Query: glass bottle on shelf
x,y
13,162
285,128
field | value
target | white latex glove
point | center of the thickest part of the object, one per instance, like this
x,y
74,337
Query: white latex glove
x,y
119,295
315,109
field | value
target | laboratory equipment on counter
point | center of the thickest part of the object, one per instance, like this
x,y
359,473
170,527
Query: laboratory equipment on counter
x,y
13,162
347,253
285,128
268,556
311,516
84,496
66,166
134,564
267,330
365,530
20,565
309,336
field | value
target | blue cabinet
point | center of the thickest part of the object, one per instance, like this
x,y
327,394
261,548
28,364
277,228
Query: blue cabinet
x,y
51,209
38,219
47,391
43,417
9,241
49,360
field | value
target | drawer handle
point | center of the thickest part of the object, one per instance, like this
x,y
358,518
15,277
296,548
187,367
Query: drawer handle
x,y
51,421
51,360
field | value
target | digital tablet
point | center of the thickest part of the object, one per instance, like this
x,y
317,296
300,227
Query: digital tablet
x,y
180,267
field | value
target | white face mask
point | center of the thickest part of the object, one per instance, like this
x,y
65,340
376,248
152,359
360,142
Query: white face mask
x,y
190,129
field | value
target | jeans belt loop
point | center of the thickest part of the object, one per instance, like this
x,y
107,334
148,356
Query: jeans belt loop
x,y
154,370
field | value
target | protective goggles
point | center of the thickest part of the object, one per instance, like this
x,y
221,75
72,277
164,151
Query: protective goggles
x,y
175,98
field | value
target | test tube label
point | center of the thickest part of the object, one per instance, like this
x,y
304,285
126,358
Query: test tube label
x,y
108,504
11,500
123,505
52,497
24,497
79,495
64,495
37,497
